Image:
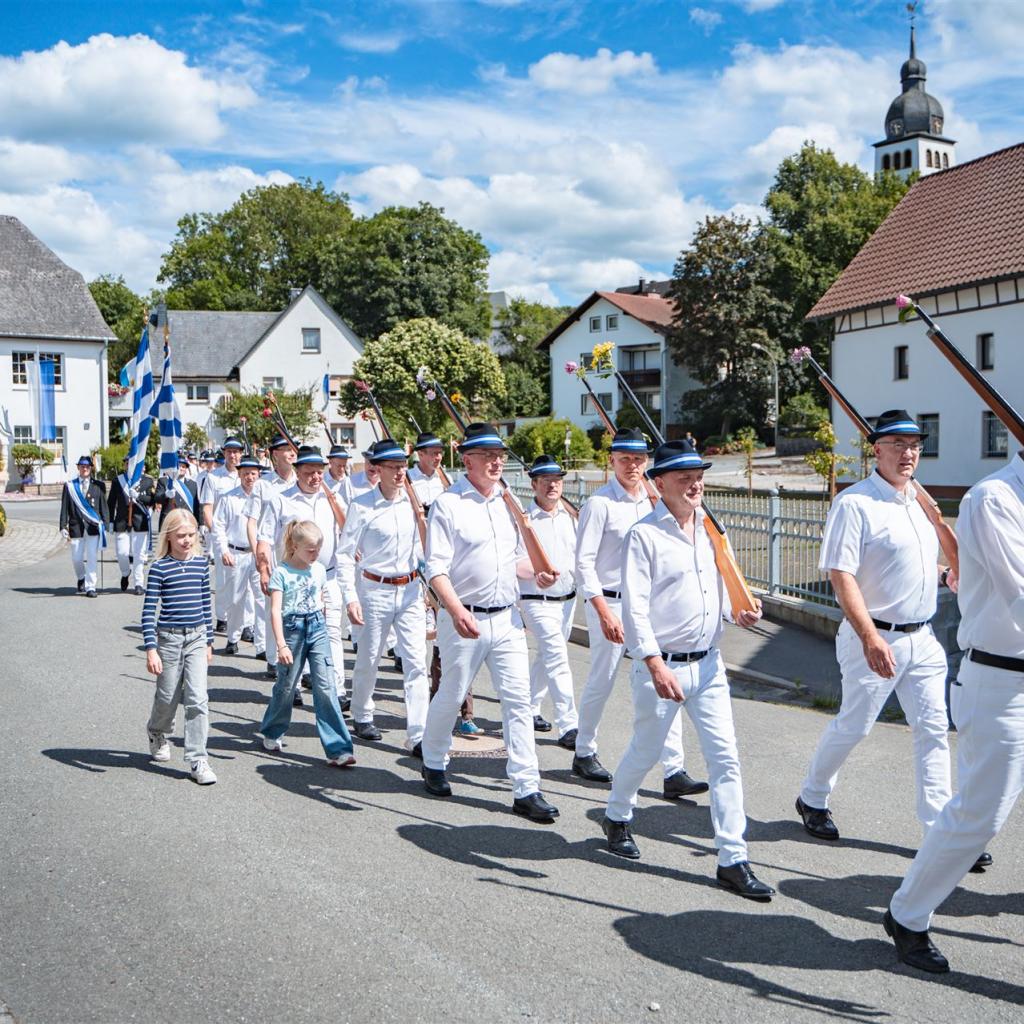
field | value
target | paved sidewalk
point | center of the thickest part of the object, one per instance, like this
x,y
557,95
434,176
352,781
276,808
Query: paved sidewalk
x,y
26,543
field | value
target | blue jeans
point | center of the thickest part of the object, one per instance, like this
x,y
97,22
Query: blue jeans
x,y
306,636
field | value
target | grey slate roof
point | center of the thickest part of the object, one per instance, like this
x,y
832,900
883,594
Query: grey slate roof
x,y
210,343
40,295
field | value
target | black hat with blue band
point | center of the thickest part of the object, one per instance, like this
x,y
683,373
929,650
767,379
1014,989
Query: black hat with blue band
x,y
427,440
544,465
630,440
893,423
386,450
481,437
676,455
310,455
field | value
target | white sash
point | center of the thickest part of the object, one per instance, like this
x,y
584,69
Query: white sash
x,y
125,486
181,493
85,509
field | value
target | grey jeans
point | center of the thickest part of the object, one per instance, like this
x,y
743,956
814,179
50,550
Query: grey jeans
x,y
183,681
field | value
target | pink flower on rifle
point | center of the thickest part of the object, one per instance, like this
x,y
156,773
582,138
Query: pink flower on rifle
x,y
902,301
430,394
571,367
361,385
798,355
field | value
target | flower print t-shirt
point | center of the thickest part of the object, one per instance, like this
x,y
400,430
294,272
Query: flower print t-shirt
x,y
300,588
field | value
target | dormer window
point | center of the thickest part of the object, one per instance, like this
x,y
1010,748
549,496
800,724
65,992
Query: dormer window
x,y
937,125
895,127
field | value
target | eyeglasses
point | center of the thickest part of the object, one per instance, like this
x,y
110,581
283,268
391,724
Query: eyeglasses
x,y
904,446
501,457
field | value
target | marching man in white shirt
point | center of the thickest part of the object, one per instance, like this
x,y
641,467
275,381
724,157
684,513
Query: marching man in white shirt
x,y
674,601
987,701
425,476
232,548
548,611
337,477
604,520
881,553
473,547
216,484
384,591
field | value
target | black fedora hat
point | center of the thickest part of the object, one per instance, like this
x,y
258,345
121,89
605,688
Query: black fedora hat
x,y
893,422
427,440
481,436
386,450
339,451
310,455
674,455
630,440
544,465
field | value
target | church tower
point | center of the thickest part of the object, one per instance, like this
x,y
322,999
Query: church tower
x,y
913,126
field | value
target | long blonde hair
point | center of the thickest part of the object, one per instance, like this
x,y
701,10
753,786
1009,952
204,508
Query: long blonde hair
x,y
301,531
175,521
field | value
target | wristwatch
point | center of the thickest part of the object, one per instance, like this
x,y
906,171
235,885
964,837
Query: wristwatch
x,y
944,577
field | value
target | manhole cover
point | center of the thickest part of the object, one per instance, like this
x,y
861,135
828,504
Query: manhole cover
x,y
481,746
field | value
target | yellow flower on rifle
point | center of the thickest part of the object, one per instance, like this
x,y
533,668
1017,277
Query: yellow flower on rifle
x,y
601,356
456,398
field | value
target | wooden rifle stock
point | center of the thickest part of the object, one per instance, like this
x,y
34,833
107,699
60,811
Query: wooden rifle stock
x,y
740,597
534,549
930,507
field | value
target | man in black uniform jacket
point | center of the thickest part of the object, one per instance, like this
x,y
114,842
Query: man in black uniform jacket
x,y
171,494
83,511
131,542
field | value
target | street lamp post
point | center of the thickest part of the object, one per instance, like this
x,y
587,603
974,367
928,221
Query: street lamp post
x,y
775,379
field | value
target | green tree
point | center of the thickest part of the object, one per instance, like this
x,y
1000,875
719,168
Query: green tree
x,y
725,306
820,213
547,437
296,407
249,256
124,312
468,371
522,325
195,438
407,263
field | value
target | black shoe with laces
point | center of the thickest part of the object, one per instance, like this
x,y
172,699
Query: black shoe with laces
x,y
679,784
817,821
915,949
738,878
124,584
620,839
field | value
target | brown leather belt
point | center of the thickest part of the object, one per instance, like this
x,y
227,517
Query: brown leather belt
x,y
395,581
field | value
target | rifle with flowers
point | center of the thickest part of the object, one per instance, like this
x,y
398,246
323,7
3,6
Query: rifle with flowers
x,y
535,550
740,597
947,538
445,478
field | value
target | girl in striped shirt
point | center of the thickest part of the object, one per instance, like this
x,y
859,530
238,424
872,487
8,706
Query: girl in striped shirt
x,y
179,642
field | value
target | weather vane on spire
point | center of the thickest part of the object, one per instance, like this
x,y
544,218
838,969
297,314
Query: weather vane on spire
x,y
912,11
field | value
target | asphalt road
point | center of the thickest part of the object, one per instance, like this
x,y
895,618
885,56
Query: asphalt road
x,y
291,891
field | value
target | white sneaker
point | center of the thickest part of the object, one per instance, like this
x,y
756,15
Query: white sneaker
x,y
202,772
345,761
159,748
269,744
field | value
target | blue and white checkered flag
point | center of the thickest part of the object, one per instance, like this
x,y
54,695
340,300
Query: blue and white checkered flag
x,y
165,409
142,409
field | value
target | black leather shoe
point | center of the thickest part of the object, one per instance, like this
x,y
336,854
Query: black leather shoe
x,y
568,739
590,768
417,751
90,593
366,730
541,724
138,591
915,949
620,839
247,635
534,807
81,586
984,861
738,878
221,626
270,672
436,782
307,681
680,784
260,655
124,584
297,698
230,648
817,821
346,705
398,664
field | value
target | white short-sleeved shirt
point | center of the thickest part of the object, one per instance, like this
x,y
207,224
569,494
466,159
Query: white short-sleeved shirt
x,y
556,532
990,532
217,483
291,504
428,488
885,541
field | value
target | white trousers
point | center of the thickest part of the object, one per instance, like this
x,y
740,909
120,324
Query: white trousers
x,y
244,596
84,552
130,548
604,664
388,608
708,704
502,647
920,685
988,708
220,586
334,615
551,623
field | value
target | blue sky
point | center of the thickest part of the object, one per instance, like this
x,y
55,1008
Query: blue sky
x,y
584,140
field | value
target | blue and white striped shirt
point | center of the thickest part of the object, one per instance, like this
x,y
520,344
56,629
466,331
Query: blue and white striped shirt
x,y
182,589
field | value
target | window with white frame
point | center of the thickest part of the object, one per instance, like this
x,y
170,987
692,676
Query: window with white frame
x,y
23,435
595,324
611,322
587,360
930,425
310,339
274,383
198,392
20,361
993,437
343,433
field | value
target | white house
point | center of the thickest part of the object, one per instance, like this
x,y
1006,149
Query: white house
x,y
636,320
213,353
955,243
46,310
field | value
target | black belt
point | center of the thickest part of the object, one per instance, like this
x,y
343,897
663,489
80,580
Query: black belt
x,y
235,547
545,597
996,660
476,610
688,656
906,627
180,629
614,594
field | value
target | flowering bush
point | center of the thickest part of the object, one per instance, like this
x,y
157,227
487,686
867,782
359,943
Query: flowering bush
x,y
117,390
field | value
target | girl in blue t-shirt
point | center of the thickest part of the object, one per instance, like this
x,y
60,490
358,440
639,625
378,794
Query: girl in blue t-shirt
x,y
297,619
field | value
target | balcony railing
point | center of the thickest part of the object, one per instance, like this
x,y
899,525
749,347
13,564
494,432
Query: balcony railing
x,y
642,378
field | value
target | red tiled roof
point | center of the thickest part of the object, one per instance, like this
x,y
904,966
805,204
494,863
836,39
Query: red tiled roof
x,y
957,227
654,310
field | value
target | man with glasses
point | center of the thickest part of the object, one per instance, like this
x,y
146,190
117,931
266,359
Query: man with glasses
x,y
881,553
473,547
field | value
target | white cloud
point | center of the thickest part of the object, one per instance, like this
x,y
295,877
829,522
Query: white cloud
x,y
372,42
30,167
707,20
756,6
111,89
588,76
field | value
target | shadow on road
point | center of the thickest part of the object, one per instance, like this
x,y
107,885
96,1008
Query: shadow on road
x,y
99,761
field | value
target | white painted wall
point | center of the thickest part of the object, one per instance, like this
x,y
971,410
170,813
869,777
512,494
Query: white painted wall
x,y
80,404
863,368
